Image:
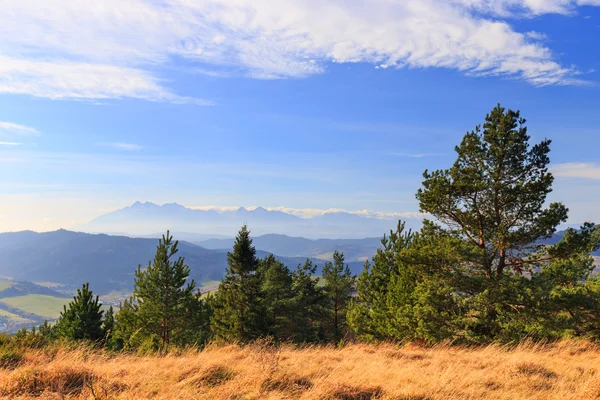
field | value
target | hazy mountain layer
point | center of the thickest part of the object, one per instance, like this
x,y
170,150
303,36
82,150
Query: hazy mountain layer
x,y
149,218
107,262
353,249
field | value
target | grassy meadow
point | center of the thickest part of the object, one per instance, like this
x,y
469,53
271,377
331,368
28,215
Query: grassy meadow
x,y
565,370
38,304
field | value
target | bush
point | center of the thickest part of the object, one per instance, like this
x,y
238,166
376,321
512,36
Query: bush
x,y
10,358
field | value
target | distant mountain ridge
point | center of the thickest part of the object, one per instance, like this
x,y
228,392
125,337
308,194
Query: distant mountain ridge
x,y
107,262
283,245
148,218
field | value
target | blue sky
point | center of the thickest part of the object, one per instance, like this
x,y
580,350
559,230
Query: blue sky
x,y
298,105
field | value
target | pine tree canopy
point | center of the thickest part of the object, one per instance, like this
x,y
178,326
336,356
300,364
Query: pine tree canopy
x,y
82,317
495,192
162,294
338,288
239,314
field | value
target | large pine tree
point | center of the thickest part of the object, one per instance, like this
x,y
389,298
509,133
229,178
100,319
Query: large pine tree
x,y
479,272
238,311
495,193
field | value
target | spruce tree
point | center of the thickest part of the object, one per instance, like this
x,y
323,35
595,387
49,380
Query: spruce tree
x,y
238,312
277,295
308,304
338,288
82,317
162,293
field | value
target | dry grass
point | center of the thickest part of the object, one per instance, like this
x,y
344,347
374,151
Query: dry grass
x,y
567,370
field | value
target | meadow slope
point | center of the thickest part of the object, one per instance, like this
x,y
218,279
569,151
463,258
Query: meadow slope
x,y
567,370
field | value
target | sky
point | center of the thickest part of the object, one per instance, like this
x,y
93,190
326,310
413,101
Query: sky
x,y
299,105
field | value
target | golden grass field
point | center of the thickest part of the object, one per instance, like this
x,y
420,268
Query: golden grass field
x,y
567,370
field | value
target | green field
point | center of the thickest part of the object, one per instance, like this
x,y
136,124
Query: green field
x,y
39,304
209,283
4,284
12,317
4,313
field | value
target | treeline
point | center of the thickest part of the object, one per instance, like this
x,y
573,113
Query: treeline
x,y
474,273
257,298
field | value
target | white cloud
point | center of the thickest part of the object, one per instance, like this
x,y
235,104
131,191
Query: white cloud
x,y
106,49
122,146
72,80
10,144
577,170
11,127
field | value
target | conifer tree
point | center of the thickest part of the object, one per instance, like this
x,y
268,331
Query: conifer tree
x,y
277,295
479,272
369,313
238,312
126,331
162,294
494,194
108,325
338,288
82,317
308,304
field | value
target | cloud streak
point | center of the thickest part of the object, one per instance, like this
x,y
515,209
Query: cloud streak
x,y
122,146
417,155
11,127
115,49
577,170
82,81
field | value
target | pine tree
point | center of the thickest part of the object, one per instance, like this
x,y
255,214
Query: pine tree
x,y
238,312
126,331
108,325
277,295
308,304
82,317
495,192
198,312
480,274
369,314
338,288
162,294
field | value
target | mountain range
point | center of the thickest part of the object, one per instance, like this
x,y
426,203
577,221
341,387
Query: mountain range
x,y
109,262
148,218
353,249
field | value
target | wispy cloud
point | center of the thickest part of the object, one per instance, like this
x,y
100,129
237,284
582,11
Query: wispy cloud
x,y
417,155
577,170
114,49
83,81
13,128
10,144
122,146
